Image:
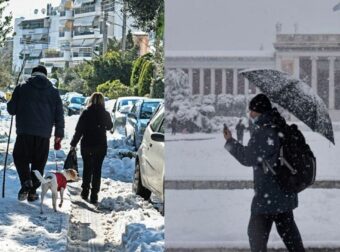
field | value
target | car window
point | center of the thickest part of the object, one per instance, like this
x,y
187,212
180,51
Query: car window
x,y
134,109
161,129
157,122
78,100
147,110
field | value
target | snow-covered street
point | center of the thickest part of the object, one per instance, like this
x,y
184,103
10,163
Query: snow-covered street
x,y
122,221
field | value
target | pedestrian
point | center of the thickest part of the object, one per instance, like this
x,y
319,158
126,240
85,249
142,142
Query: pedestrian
x,y
240,131
270,203
174,125
37,106
91,129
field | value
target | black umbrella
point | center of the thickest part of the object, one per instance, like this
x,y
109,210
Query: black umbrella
x,y
295,96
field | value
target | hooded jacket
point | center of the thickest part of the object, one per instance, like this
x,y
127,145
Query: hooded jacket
x,y
264,145
37,106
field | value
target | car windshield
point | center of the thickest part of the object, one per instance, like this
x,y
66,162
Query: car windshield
x,y
147,110
78,100
128,102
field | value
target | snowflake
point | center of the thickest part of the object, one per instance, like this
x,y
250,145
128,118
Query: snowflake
x,y
270,141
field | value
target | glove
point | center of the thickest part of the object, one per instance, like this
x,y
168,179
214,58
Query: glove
x,y
57,143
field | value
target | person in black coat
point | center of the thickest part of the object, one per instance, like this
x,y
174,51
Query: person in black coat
x,y
37,106
91,129
270,203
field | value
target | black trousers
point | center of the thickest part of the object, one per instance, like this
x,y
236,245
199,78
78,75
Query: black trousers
x,y
93,161
30,153
261,224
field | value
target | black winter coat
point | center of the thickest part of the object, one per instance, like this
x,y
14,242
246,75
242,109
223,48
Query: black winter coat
x,y
37,106
263,145
91,128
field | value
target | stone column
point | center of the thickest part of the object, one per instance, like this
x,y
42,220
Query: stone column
x,y
314,74
212,81
297,67
246,87
201,81
235,81
224,81
331,100
190,78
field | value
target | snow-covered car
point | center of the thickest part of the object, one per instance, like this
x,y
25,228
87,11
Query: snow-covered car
x,y
121,108
74,105
149,166
138,119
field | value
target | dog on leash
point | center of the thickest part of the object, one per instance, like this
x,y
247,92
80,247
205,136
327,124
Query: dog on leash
x,y
56,181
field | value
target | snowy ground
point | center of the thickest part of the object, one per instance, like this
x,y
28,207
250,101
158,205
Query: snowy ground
x,y
128,222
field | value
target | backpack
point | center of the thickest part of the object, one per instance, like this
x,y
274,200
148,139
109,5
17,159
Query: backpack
x,y
296,167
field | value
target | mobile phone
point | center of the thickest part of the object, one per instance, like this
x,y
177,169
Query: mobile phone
x,y
225,127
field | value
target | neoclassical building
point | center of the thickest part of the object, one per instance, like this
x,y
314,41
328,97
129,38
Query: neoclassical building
x,y
314,58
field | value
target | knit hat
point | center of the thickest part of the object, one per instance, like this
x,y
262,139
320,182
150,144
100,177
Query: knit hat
x,y
260,103
40,69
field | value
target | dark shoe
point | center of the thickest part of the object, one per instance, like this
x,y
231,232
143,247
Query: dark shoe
x,y
84,194
25,188
32,196
94,198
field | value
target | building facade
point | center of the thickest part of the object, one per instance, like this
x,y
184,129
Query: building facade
x,y
314,58
71,33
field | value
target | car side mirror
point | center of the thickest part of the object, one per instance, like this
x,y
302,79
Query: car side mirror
x,y
157,137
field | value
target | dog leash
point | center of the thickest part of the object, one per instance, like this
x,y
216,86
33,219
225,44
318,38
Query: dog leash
x,y
55,159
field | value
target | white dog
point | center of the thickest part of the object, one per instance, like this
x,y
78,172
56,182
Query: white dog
x,y
56,181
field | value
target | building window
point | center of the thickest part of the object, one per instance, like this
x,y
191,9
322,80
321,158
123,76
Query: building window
x,y
306,70
195,81
207,81
83,30
229,80
218,81
323,79
85,8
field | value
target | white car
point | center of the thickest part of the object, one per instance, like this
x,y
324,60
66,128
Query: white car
x,y
149,167
121,108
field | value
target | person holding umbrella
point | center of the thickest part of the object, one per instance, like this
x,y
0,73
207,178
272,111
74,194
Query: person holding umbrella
x,y
91,129
270,203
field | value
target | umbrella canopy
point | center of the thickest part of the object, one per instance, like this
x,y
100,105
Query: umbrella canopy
x,y
295,96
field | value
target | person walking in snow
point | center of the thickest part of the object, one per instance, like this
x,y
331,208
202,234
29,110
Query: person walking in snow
x,y
240,131
37,106
174,125
91,129
270,203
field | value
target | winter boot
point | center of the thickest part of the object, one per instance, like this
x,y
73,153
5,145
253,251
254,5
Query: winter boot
x,y
25,188
84,194
32,195
94,198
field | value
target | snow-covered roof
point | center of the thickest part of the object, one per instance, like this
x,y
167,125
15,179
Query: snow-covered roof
x,y
210,53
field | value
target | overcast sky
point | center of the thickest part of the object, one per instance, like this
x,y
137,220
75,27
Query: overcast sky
x,y
243,24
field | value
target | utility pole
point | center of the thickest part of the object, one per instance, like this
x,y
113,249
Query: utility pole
x,y
105,16
124,26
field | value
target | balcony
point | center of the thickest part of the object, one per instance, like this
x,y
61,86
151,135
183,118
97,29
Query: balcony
x,y
86,8
35,39
52,53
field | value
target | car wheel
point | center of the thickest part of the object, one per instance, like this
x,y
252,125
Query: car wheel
x,y
137,186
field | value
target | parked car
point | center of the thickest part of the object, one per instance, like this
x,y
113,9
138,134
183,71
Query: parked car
x,y
74,105
138,119
121,108
149,167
